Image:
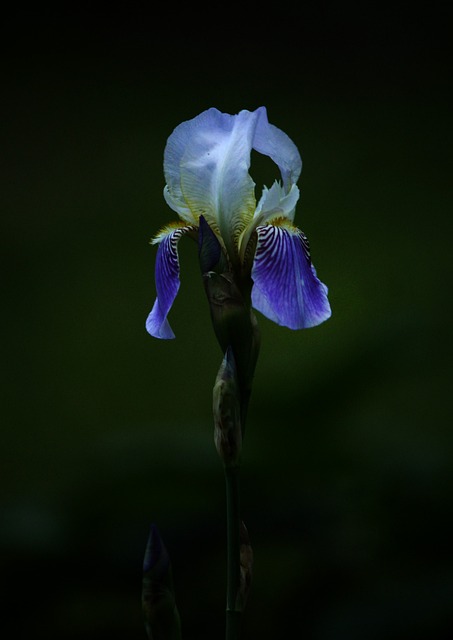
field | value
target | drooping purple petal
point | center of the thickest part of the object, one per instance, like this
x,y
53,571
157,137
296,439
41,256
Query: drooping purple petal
x,y
167,282
286,288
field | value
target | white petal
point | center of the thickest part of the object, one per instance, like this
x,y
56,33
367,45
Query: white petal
x,y
274,203
179,206
277,202
206,163
272,142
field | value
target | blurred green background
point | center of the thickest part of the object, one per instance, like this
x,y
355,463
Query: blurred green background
x,y
347,464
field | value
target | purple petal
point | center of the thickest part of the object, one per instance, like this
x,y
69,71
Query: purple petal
x,y
209,248
167,283
286,288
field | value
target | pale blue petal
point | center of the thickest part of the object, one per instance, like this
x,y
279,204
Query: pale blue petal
x,y
206,163
179,206
272,142
276,202
167,282
286,288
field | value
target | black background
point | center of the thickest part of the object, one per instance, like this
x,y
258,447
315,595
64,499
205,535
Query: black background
x,y
347,465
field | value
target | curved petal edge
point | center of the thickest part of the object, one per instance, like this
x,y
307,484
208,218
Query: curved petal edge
x,y
286,288
167,282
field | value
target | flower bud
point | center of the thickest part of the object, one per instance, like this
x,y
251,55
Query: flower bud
x,y
210,254
158,601
227,413
229,297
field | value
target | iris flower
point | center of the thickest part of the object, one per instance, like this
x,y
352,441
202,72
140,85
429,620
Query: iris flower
x,y
206,168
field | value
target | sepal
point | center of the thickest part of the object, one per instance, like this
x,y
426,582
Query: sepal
x,y
286,288
167,280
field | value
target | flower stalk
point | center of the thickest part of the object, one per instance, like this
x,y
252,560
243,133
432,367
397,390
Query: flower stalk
x,y
228,434
252,257
234,606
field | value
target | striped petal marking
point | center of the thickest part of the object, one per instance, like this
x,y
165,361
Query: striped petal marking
x,y
167,280
286,288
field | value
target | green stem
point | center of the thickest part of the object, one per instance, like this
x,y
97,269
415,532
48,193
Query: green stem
x,y
233,614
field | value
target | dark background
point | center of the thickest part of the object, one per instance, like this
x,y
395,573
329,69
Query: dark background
x,y
347,464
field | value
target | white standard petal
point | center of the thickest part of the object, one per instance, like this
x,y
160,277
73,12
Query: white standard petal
x,y
275,143
274,203
206,163
179,206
